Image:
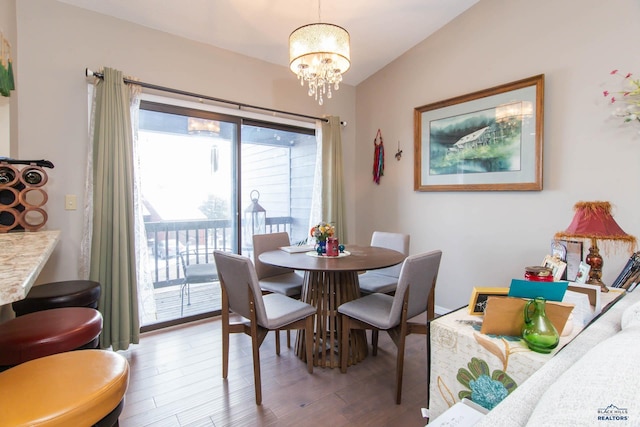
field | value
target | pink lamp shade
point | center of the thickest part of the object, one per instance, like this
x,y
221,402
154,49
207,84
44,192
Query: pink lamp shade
x,y
593,220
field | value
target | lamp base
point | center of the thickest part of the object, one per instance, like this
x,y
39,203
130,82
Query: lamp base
x,y
595,274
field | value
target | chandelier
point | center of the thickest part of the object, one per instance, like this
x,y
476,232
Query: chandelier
x,y
319,54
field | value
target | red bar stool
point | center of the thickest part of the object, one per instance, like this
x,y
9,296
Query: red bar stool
x,y
68,293
48,332
78,388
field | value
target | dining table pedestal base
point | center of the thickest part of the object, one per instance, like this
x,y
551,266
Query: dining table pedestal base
x,y
327,290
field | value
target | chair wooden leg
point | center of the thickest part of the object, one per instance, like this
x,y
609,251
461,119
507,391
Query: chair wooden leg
x,y
309,342
256,365
428,359
400,334
344,342
256,340
225,350
277,332
400,366
225,334
374,342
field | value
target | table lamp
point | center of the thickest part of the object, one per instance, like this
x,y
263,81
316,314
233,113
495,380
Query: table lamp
x,y
593,220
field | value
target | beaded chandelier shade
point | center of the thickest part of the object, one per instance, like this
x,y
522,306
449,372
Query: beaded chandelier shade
x,y
320,54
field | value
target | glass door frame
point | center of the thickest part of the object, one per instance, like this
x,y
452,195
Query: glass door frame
x,y
165,105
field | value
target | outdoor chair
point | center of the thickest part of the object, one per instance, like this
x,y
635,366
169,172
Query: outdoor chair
x,y
195,272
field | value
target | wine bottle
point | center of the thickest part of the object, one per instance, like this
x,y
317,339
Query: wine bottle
x,y
32,176
7,175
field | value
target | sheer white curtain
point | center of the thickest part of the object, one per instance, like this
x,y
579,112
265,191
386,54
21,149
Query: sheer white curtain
x,y
316,196
146,293
328,193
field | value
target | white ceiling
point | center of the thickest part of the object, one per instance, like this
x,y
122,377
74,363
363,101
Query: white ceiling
x,y
381,30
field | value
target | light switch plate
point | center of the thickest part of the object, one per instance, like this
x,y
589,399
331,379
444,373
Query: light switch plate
x,y
70,202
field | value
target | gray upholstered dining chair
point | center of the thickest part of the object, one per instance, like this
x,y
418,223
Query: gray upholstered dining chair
x,y
272,279
384,280
241,294
379,311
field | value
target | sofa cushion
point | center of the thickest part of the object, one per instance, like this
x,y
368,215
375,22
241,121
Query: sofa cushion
x,y
600,387
630,316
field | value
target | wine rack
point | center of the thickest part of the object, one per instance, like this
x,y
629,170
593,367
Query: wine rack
x,y
22,197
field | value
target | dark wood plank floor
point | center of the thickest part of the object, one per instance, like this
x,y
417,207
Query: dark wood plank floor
x,y
176,380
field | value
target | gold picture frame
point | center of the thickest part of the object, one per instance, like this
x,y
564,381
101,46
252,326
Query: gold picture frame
x,y
479,296
489,140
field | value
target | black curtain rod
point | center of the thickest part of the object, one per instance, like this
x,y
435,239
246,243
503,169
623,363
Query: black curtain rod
x,y
99,75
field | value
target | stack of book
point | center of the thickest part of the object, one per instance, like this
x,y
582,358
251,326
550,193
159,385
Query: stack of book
x,y
629,277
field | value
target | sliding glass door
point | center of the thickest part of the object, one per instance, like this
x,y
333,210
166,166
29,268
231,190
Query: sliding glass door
x,y
277,168
202,176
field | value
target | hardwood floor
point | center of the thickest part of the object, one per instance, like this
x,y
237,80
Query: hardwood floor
x,y
176,380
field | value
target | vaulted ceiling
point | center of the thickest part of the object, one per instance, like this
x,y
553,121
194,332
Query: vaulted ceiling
x,y
381,30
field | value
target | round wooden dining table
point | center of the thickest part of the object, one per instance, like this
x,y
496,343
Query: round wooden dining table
x,y
328,282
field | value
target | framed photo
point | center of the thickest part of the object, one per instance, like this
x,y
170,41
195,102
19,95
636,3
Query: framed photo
x,y
556,265
489,140
583,273
478,301
572,256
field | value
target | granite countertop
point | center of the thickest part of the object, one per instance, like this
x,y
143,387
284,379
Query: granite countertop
x,y
22,257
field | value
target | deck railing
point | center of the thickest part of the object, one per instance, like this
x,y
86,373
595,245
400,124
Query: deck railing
x,y
197,239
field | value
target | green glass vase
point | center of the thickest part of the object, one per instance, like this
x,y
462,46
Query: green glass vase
x,y
538,331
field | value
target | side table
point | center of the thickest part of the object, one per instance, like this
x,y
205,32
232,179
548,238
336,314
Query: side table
x,y
480,367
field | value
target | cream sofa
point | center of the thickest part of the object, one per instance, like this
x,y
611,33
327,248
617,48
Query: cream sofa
x,y
594,380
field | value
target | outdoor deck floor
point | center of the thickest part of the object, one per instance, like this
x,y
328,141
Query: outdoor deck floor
x,y
205,297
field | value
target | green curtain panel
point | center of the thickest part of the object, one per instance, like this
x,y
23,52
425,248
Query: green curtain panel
x,y
333,205
112,246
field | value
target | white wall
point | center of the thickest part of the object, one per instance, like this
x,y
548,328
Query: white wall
x,y
488,238
58,41
8,137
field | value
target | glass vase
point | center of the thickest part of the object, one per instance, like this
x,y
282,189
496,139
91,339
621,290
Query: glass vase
x,y
538,331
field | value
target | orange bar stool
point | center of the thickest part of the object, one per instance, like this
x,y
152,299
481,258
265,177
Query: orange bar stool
x,y
78,388
48,332
69,293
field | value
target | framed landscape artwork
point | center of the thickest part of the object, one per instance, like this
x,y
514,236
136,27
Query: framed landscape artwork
x,y
489,140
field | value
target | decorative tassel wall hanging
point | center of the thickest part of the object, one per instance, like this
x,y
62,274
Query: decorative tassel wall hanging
x,y
7,83
378,158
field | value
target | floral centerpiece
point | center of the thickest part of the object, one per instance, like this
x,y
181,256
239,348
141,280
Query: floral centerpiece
x,y
322,231
630,95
